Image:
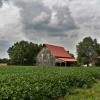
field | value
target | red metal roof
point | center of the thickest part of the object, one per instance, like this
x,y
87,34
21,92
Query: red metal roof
x,y
68,59
58,51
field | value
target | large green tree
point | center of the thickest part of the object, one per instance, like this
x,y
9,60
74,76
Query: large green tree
x,y
88,50
23,53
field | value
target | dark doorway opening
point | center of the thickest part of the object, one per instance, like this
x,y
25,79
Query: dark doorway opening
x,y
57,64
63,64
60,64
68,64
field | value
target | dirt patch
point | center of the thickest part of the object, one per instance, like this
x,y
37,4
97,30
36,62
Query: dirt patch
x,y
3,65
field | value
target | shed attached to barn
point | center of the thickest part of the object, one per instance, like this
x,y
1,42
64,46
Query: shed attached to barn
x,y
52,55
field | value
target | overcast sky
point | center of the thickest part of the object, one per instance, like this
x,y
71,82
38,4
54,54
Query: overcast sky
x,y
59,22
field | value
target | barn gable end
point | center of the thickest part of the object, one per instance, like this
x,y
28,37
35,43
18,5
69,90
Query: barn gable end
x,y
45,57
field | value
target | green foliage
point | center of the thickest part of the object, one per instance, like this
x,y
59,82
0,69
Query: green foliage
x,y
4,60
92,93
97,62
43,83
23,53
88,50
72,54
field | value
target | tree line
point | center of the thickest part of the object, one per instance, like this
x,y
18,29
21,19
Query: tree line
x,y
25,53
88,50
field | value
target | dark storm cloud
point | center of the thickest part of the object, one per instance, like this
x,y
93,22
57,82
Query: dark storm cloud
x,y
31,11
51,23
4,44
1,2
37,22
66,21
3,48
36,18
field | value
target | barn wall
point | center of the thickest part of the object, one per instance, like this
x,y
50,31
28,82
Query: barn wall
x,y
45,58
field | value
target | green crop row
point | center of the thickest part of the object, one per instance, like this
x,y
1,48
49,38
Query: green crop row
x,y
43,83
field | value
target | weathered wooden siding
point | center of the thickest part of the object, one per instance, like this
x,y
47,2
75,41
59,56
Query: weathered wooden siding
x,y
45,58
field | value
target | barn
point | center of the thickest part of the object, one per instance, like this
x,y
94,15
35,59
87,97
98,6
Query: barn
x,y
52,55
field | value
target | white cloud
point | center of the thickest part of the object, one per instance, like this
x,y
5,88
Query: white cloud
x,y
10,27
9,14
61,22
41,18
57,3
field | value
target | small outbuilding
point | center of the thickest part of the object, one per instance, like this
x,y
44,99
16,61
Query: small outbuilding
x,y
52,55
